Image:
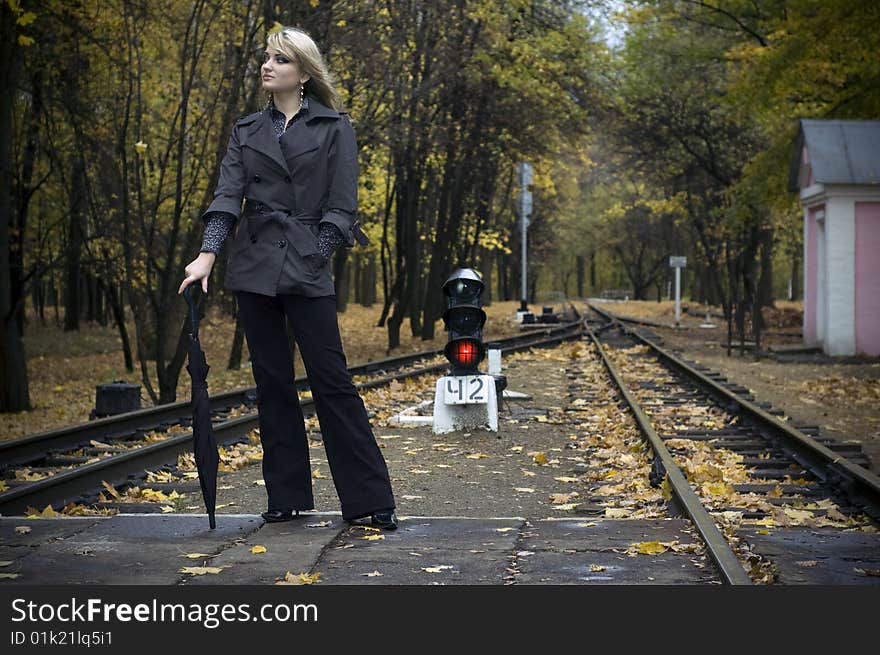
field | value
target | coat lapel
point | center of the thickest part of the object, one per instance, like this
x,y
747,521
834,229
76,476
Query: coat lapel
x,y
262,139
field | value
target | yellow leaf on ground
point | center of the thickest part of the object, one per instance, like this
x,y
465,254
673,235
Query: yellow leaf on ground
x,y
666,488
504,529
525,490
477,456
200,570
617,512
649,547
299,578
540,458
373,537
256,550
372,574
565,478
436,569
22,529
197,555
318,475
596,568
48,512
565,508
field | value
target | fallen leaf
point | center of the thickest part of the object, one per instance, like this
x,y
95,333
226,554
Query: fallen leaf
x,y
596,568
525,490
258,549
649,547
48,512
8,576
322,524
197,555
22,529
373,537
540,458
565,478
566,507
504,529
477,456
200,570
372,574
808,563
299,578
436,569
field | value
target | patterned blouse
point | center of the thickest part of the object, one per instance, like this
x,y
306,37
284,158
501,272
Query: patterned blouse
x,y
219,224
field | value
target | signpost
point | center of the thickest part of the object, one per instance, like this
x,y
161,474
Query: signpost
x,y
677,263
525,179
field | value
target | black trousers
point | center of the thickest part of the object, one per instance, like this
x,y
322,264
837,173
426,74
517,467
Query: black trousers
x,y
356,463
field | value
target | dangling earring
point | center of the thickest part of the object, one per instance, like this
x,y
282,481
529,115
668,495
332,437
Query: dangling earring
x,y
302,87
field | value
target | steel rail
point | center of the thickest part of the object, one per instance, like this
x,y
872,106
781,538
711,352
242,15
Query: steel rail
x,y
861,486
68,486
33,447
730,568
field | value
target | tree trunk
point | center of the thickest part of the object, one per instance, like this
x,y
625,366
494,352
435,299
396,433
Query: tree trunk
x,y
14,392
118,312
74,247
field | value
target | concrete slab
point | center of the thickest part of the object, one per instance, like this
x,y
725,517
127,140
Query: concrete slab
x,y
291,546
592,552
595,534
547,567
130,549
820,555
42,530
399,567
440,533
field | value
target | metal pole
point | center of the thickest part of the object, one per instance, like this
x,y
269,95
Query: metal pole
x,y
525,178
677,295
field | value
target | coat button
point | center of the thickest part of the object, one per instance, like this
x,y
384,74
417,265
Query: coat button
x,y
256,178
287,178
282,243
253,238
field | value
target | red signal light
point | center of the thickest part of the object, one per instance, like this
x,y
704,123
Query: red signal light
x,y
464,352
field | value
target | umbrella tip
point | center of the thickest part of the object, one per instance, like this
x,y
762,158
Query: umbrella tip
x,y
212,521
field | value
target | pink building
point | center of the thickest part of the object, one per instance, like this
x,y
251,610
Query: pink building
x,y
836,169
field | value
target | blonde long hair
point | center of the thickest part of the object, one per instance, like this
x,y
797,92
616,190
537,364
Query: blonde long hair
x,y
298,46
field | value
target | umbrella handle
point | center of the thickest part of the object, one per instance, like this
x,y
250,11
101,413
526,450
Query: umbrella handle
x,y
193,313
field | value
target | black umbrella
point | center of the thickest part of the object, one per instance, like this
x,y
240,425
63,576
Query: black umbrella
x,y
204,444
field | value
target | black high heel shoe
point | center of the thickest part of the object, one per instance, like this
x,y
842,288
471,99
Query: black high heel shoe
x,y
279,515
385,519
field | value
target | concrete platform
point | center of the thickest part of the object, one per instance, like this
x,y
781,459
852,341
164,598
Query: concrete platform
x,y
820,556
139,549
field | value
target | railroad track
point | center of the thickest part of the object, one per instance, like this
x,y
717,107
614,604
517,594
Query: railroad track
x,y
701,432
71,465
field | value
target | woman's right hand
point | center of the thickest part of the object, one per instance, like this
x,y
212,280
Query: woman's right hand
x,y
198,269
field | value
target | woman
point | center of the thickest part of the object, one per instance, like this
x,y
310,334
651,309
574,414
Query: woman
x,y
295,166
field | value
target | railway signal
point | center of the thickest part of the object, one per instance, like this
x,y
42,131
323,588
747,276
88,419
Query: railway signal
x,y
464,319
465,399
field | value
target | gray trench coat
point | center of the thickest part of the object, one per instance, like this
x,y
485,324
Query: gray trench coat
x,y
286,198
